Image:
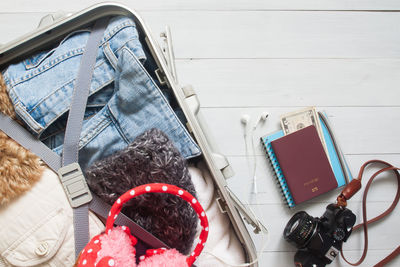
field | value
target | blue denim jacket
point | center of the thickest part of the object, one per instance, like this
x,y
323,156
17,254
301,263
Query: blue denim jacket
x,y
124,100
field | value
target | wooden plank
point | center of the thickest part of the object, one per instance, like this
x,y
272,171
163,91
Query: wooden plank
x,y
73,5
359,130
267,34
281,34
293,82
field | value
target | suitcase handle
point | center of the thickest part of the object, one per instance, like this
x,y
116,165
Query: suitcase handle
x,y
168,52
194,105
49,19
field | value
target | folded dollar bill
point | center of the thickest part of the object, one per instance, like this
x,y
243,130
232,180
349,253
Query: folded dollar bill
x,y
300,119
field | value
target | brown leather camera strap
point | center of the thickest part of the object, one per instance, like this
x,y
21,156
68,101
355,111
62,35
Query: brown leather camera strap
x,y
352,188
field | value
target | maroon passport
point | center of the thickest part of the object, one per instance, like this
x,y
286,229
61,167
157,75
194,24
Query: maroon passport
x,y
304,163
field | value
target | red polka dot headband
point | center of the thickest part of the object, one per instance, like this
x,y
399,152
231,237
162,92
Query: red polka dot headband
x,y
115,247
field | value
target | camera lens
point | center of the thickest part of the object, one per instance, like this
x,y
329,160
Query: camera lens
x,y
296,223
300,229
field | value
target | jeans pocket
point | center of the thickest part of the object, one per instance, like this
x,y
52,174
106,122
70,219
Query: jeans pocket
x,y
100,138
36,60
101,145
138,105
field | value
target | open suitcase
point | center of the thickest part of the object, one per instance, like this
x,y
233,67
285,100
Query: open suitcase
x,y
53,28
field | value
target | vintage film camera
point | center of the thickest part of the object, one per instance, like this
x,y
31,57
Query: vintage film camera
x,y
319,240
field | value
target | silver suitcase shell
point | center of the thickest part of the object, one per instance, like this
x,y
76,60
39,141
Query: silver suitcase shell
x,y
52,27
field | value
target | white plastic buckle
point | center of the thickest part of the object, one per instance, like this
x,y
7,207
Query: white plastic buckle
x,y
75,185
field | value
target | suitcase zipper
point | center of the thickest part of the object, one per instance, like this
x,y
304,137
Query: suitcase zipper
x,y
247,213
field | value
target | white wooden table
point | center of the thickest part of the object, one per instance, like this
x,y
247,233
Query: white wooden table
x,y
247,56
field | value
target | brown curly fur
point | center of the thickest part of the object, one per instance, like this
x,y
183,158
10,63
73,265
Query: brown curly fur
x,y
19,168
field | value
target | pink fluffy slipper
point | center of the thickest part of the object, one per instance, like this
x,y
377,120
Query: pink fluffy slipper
x,y
116,248
163,258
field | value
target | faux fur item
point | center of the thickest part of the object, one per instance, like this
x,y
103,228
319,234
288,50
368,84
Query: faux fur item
x,y
19,168
150,158
118,245
170,257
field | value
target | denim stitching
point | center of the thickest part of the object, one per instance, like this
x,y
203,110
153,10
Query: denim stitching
x,y
47,66
110,55
97,66
29,64
49,95
67,108
118,126
71,53
37,128
124,46
162,95
116,29
89,136
61,130
96,130
67,83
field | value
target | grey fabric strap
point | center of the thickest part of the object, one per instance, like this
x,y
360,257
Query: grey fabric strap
x,y
15,131
81,93
101,209
74,124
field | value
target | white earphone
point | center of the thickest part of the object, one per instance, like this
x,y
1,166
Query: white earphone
x,y
245,120
262,118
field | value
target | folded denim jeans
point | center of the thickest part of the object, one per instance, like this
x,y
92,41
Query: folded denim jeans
x,y
124,101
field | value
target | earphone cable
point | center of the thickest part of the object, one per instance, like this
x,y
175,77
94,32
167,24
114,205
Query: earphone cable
x,y
253,175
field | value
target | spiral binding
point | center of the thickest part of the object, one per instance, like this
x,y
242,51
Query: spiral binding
x,y
281,182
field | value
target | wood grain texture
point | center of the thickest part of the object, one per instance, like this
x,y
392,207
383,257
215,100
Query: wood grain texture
x,y
244,5
244,57
359,130
293,82
263,34
281,34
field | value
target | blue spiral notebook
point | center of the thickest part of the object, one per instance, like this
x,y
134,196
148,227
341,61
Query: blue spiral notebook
x,y
333,157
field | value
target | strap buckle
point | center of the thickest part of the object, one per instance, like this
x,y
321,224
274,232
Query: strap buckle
x,y
74,184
